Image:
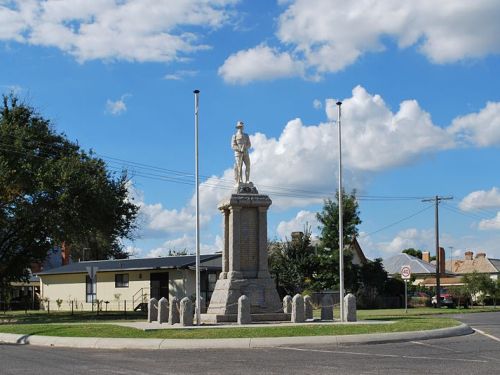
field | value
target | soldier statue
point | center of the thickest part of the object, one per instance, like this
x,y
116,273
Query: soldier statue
x,y
240,143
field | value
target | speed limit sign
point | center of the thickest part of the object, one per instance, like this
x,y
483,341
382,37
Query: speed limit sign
x,y
405,272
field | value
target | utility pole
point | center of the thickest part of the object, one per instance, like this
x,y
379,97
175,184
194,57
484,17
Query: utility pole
x,y
341,221
436,200
197,183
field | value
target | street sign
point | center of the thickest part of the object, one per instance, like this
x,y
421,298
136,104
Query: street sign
x,y
406,272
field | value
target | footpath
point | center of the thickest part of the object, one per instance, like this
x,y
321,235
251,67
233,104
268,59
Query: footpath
x,y
232,343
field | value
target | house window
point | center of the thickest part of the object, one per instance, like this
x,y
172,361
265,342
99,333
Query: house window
x,y
121,280
90,289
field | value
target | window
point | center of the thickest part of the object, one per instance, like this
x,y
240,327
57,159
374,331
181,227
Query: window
x,y
90,289
121,280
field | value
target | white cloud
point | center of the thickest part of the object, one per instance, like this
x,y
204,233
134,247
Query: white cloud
x,y
134,30
259,63
376,138
180,75
297,224
418,239
490,224
317,104
481,199
480,129
155,220
117,107
187,243
329,35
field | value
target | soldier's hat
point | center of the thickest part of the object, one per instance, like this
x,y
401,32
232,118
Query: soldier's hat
x,y
239,124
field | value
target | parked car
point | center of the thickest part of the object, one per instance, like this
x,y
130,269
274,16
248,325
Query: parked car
x,y
448,300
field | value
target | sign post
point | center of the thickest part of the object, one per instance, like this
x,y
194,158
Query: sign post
x,y
406,275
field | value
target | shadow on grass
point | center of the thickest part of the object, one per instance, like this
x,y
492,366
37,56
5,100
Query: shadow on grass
x,y
66,317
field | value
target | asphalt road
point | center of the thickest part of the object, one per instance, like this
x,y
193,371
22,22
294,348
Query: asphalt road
x,y
473,354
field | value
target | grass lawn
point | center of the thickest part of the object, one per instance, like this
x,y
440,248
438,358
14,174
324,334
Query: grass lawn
x,y
87,324
109,330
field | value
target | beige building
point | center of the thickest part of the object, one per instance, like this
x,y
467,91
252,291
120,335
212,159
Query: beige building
x,y
126,283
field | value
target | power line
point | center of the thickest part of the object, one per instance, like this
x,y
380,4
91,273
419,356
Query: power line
x,y
396,222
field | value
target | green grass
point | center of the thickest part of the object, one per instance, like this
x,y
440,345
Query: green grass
x,y
109,330
34,317
86,324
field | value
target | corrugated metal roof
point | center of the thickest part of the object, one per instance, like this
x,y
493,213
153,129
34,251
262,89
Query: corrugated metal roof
x,y
393,264
496,263
183,261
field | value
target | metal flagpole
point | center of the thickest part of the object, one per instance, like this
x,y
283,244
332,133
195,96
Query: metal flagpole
x,y
198,300
341,222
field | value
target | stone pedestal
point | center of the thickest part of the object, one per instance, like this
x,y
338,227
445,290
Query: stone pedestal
x,y
244,260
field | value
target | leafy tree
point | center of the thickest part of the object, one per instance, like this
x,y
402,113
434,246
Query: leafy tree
x,y
477,285
372,279
293,263
328,252
413,252
51,192
174,252
460,294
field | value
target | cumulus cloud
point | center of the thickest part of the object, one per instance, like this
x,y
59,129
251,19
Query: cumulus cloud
x,y
412,237
187,243
156,220
377,138
480,129
481,199
302,220
259,63
329,35
490,224
134,30
117,107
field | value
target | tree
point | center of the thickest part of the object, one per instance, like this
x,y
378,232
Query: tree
x,y
51,192
477,285
372,281
293,263
328,252
413,252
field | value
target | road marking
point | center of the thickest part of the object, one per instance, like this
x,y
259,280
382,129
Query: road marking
x,y
435,346
486,334
383,355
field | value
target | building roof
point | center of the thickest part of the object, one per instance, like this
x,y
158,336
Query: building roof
x,y
171,262
393,264
480,264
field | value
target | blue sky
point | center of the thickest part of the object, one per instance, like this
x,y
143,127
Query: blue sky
x,y
421,113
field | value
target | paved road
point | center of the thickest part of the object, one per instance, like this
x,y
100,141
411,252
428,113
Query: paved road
x,y
472,354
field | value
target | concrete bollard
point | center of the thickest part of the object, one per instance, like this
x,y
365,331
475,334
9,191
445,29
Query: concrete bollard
x,y
297,309
162,310
287,304
186,312
327,307
152,310
308,307
173,311
244,315
350,308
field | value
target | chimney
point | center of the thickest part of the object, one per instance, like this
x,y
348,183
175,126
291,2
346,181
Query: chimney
x,y
481,255
468,255
442,261
426,256
65,253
